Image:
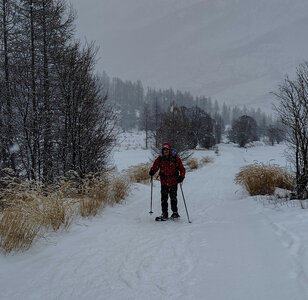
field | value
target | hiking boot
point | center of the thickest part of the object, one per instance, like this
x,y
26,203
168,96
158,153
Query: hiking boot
x,y
164,216
175,215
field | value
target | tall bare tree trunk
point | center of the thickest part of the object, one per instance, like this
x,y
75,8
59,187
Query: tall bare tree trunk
x,y
47,150
35,149
5,122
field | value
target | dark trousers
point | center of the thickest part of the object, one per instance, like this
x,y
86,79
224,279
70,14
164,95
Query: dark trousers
x,y
172,191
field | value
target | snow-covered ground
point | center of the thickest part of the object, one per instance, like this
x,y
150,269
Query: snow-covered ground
x,y
236,248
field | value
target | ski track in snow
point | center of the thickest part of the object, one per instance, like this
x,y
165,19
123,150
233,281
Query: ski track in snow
x,y
296,248
233,249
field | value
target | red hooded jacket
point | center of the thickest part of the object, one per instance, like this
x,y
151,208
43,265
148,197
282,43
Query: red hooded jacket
x,y
170,167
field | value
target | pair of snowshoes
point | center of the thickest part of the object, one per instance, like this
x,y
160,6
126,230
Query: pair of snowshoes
x,y
164,217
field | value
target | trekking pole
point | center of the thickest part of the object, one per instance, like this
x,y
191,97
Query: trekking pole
x,y
151,194
185,203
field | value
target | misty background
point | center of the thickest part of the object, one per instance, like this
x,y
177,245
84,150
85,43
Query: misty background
x,y
234,51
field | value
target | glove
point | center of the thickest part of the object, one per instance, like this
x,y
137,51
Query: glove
x,y
180,179
152,172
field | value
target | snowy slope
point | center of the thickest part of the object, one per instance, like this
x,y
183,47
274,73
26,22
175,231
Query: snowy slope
x,y
232,50
235,249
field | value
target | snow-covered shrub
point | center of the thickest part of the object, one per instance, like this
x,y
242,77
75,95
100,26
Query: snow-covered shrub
x,y
261,179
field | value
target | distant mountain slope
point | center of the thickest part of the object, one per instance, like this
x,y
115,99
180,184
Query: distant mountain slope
x,y
232,50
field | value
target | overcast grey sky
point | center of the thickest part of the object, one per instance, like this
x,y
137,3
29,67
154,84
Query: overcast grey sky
x,y
232,50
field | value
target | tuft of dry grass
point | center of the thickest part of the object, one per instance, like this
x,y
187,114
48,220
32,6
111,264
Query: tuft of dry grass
x,y
16,191
29,211
140,173
94,195
101,191
90,207
18,228
205,160
25,221
261,179
119,190
56,212
192,163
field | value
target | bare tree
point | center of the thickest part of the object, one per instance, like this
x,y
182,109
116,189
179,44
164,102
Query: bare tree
x,y
86,129
293,111
146,122
7,21
55,32
202,125
175,128
275,133
244,130
157,118
51,103
47,27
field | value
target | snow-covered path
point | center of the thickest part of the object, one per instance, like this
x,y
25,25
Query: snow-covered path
x,y
232,249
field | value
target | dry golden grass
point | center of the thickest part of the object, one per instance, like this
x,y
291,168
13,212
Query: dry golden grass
x,y
119,190
18,191
192,163
261,179
140,173
205,160
25,221
90,207
29,214
56,212
94,195
18,228
103,191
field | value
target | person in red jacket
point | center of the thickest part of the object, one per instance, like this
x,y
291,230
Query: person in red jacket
x,y
171,172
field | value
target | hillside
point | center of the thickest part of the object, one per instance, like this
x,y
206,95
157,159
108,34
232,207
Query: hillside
x,y
232,50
